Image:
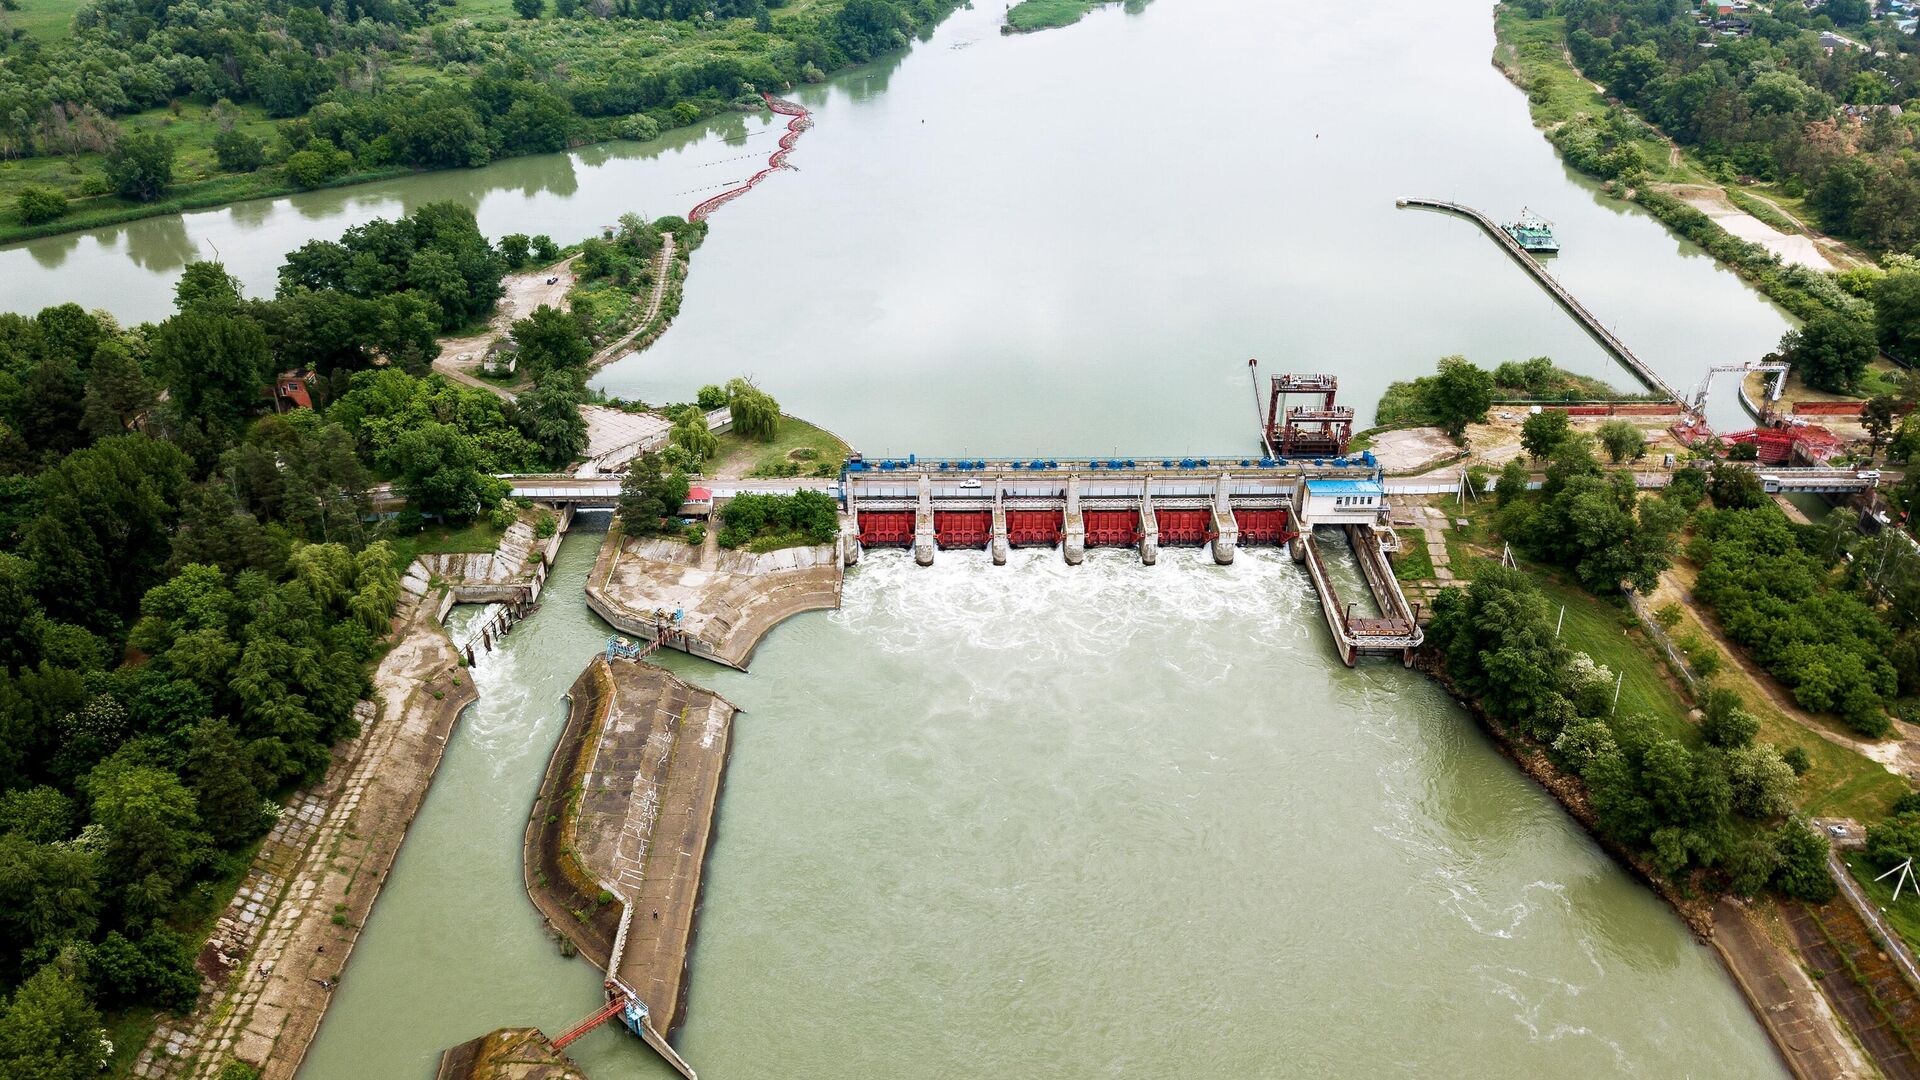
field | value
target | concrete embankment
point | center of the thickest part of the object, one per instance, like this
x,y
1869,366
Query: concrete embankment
x,y
617,839
728,600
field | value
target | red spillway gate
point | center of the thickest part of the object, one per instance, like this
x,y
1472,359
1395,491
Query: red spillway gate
x,y
1262,526
1111,528
962,528
1184,526
886,528
1031,528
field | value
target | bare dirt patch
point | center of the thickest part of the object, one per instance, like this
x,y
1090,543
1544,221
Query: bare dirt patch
x,y
1412,449
1792,248
460,356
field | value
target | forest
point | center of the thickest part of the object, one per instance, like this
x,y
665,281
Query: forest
x,y
140,102
195,584
1774,105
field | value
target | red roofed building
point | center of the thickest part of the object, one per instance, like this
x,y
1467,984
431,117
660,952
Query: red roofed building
x,y
289,391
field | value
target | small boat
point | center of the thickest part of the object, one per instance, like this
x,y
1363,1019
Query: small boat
x,y
1533,233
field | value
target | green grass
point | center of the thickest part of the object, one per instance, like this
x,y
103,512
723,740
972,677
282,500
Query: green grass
x,y
43,19
1047,14
1904,916
441,539
1612,636
1413,563
741,456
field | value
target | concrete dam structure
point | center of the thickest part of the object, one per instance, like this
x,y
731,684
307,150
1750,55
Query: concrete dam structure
x,y
1143,504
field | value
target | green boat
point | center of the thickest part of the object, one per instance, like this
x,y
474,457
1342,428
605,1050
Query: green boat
x,y
1533,233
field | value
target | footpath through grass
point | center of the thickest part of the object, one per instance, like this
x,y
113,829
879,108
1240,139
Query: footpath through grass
x,y
797,449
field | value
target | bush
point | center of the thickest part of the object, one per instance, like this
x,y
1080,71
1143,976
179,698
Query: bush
x,y
546,524
238,151
238,1070
805,517
38,204
1668,615
1797,759
502,516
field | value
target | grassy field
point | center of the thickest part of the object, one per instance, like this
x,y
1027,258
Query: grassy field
x,y
43,19
786,455
1904,916
441,539
1413,563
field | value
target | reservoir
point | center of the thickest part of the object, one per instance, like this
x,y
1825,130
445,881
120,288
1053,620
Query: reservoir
x,y
1110,820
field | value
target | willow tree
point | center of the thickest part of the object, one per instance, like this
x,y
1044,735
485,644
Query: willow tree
x,y
755,414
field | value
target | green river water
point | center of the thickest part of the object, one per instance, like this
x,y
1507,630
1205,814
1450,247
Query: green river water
x,y
1039,821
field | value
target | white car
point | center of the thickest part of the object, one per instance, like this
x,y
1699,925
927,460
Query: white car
x,y
969,483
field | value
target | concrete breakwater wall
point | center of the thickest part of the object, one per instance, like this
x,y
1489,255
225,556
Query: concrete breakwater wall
x,y
617,839
727,601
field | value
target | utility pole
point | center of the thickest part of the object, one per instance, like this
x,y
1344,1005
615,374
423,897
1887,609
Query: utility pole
x,y
1561,621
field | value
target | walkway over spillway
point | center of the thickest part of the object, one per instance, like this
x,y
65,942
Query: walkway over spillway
x,y
1559,292
1143,504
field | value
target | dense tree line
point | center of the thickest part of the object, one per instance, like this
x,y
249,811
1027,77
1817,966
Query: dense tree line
x,y
1772,587
473,92
1585,518
1717,812
193,585
1768,105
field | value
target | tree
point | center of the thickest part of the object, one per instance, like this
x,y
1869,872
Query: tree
x,y
690,433
1831,351
649,493
549,415
50,1031
37,203
225,783
118,395
140,166
550,339
238,151
214,366
439,472
756,414
1803,862
153,837
1727,724
1762,783
1734,488
529,9
1459,395
1896,313
1879,416
711,397
1623,441
157,968
1543,432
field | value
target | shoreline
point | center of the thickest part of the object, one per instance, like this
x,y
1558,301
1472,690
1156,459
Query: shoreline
x,y
1822,1055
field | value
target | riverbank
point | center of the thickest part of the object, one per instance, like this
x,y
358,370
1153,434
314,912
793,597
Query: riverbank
x,y
1560,99
273,995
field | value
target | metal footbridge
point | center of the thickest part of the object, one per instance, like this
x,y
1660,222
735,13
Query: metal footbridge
x,y
1559,292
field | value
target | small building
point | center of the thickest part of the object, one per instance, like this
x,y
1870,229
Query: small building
x,y
1340,502
699,503
289,391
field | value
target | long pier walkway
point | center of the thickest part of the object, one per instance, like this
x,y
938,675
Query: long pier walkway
x,y
1559,292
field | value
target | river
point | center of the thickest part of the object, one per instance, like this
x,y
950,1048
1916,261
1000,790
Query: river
x,y
1033,821
1071,241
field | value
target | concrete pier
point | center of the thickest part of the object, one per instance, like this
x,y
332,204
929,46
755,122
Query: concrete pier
x,y
999,542
1149,525
617,840
1226,531
923,532
1073,539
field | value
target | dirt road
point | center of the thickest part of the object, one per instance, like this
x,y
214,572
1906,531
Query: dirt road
x,y
460,356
